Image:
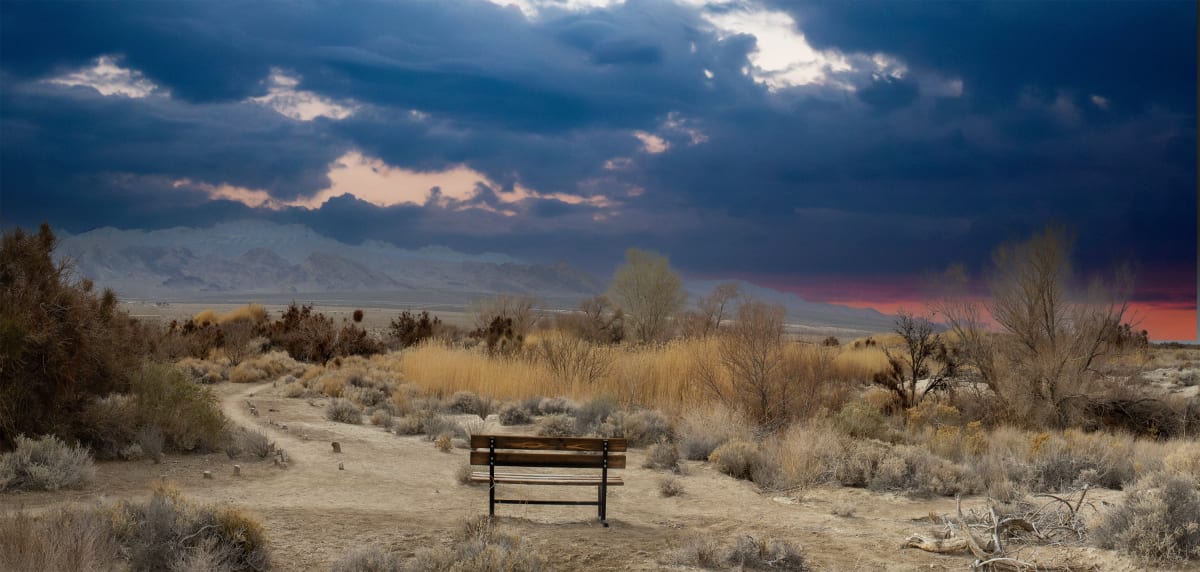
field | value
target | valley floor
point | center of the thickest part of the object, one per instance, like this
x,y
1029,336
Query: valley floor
x,y
401,493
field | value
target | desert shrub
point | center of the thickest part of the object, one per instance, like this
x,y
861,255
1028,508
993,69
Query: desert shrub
x,y
62,540
186,413
513,414
479,546
700,551
754,553
202,371
464,402
556,405
343,411
410,329
150,440
556,425
382,418
109,425
437,425
45,464
165,530
1184,460
737,459
591,414
640,428
266,367
843,509
294,390
857,419
304,334
61,343
663,456
670,486
747,553
251,442
702,431
1159,521
367,559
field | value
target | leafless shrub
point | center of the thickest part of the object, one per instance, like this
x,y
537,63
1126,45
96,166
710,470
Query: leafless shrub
x,y
444,442
597,321
556,405
572,359
439,425
649,292
925,356
711,311
464,402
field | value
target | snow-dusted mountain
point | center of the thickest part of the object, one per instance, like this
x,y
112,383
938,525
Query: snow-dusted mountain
x,y
262,260
254,257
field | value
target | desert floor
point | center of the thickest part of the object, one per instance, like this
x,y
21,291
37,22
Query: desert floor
x,y
401,493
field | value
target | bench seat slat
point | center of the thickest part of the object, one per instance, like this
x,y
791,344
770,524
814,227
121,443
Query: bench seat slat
x,y
552,460
527,479
615,445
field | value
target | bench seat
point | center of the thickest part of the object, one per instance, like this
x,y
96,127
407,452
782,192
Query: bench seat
x,y
543,479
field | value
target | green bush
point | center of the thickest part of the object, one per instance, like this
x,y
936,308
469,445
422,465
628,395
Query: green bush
x,y
185,412
45,464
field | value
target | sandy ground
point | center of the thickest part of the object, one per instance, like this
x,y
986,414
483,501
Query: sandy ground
x,y
401,493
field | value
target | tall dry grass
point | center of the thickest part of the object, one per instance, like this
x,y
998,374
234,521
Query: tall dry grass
x,y
651,377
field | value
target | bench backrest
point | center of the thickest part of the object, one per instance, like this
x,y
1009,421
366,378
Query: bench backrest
x,y
564,452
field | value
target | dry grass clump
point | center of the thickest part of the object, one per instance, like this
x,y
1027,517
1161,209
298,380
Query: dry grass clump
x,y
670,486
738,459
166,532
266,367
1184,460
747,553
383,418
61,540
367,559
249,442
556,425
343,411
438,425
45,464
479,546
444,442
1159,521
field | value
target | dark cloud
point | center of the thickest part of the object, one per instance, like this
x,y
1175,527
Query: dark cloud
x,y
1080,114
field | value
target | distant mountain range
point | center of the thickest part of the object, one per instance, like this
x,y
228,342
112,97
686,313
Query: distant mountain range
x,y
268,261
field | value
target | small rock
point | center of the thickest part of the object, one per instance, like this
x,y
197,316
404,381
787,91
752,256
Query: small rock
x,y
341,467
207,474
337,447
237,470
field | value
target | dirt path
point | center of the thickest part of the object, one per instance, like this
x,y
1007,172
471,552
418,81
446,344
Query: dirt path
x,y
401,493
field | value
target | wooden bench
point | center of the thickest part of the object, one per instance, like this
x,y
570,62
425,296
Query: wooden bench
x,y
549,452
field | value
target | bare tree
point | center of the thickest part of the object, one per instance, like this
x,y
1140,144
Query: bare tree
x,y
1055,340
754,371
710,311
597,321
649,292
924,355
519,309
